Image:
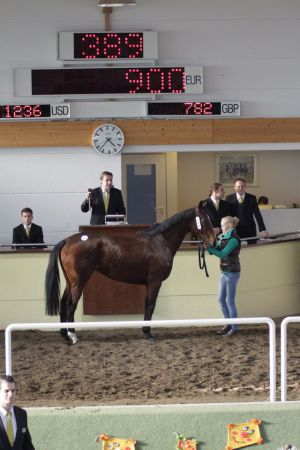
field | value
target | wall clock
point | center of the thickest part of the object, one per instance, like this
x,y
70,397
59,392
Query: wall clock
x,y
108,139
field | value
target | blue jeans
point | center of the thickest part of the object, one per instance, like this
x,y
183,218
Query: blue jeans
x,y
228,283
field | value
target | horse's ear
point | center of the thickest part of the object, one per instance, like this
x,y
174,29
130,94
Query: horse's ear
x,y
202,204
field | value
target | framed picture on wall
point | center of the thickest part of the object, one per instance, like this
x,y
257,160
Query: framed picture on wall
x,y
229,166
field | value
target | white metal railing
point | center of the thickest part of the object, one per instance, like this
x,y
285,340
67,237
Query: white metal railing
x,y
283,354
152,324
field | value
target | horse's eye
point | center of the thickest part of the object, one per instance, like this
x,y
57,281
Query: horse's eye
x,y
245,428
251,431
116,444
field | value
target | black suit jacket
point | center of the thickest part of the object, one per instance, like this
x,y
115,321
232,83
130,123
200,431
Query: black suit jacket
x,y
246,213
23,438
35,236
215,214
115,205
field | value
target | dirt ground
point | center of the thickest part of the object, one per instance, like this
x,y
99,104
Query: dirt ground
x,y
192,365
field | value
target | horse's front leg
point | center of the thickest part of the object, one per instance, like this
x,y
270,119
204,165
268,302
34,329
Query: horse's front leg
x,y
150,301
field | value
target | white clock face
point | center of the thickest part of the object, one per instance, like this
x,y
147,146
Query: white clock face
x,y
108,139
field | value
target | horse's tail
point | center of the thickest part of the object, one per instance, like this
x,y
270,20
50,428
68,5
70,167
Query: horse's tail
x,y
52,282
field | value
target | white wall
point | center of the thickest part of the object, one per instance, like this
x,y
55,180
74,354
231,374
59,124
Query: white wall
x,y
249,51
53,182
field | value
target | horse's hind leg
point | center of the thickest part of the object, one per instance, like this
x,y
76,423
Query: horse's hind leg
x,y
152,293
67,311
72,303
64,312
71,308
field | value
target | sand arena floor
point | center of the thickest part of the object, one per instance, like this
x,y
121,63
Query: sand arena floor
x,y
192,365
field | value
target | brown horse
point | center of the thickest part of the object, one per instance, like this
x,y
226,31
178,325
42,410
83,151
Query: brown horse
x,y
145,258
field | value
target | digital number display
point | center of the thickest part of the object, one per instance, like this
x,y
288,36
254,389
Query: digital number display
x,y
108,45
228,108
130,80
97,46
54,111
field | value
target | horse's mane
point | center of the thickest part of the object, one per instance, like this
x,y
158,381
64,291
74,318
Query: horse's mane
x,y
161,227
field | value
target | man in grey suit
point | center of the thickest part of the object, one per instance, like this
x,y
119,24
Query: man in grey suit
x,y
14,432
103,200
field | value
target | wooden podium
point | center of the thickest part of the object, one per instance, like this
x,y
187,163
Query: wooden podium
x,y
103,296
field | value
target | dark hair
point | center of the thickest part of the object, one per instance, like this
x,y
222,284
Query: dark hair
x,y
240,179
214,187
7,378
27,210
263,200
105,173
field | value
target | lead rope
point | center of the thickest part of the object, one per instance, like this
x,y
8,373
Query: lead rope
x,y
201,256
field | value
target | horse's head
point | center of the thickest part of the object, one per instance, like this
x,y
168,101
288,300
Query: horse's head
x,y
202,226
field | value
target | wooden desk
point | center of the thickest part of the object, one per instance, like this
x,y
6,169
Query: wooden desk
x,y
103,296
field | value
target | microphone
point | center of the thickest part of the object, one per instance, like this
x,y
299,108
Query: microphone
x,y
90,190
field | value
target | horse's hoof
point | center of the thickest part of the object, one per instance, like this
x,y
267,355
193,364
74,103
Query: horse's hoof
x,y
72,337
66,338
64,334
149,336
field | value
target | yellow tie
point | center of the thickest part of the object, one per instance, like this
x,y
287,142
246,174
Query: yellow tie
x,y
9,428
106,199
27,231
241,200
217,205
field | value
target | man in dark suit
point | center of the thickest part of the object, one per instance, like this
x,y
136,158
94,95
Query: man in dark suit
x,y
216,206
103,200
28,232
245,207
14,432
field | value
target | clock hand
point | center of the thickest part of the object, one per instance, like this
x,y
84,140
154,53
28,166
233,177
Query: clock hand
x,y
111,143
107,140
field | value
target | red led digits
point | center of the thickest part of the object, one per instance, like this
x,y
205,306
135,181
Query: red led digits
x,y
207,109
203,109
108,80
134,42
156,80
28,111
17,111
134,77
108,45
90,42
172,72
24,111
7,112
155,76
184,109
198,108
112,45
189,108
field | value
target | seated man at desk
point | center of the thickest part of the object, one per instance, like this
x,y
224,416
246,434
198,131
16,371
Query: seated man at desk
x,y
263,202
28,232
103,200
